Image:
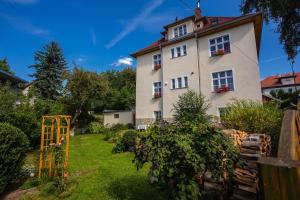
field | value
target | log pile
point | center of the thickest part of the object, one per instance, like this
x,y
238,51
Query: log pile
x,y
246,169
237,136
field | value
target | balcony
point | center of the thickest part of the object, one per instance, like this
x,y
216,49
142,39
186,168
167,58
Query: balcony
x,y
157,95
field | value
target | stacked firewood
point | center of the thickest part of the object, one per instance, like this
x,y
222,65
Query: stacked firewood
x,y
246,169
237,136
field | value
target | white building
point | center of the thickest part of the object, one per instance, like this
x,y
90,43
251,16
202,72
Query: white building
x,y
217,56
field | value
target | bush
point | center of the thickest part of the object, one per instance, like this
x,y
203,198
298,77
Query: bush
x,y
13,148
127,142
255,117
180,153
118,127
96,128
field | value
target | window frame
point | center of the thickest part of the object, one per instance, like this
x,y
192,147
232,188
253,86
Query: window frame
x,y
117,116
183,82
225,70
154,60
183,51
153,87
154,115
176,31
216,45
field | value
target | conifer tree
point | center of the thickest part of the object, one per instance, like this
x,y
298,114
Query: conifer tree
x,y
5,66
50,69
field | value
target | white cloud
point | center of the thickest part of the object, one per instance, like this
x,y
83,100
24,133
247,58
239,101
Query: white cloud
x,y
24,2
135,22
273,59
25,26
93,36
123,61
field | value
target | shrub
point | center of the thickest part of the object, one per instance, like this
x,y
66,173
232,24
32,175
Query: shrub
x,y
180,153
47,107
13,147
178,158
127,142
255,117
118,127
96,128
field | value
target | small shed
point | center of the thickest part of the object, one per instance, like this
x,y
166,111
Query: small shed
x,y
112,117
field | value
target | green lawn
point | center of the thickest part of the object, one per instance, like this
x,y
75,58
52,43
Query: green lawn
x,y
101,175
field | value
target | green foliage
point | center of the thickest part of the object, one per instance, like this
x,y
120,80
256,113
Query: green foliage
x,y
50,70
5,66
21,116
13,148
48,107
177,158
119,127
190,110
253,117
286,14
96,128
181,152
288,98
127,142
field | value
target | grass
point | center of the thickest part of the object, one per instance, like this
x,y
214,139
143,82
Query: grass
x,y
96,173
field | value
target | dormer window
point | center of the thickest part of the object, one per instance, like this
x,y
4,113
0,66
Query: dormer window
x,y
180,31
287,81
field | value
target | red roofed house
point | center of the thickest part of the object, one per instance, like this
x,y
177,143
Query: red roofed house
x,y
217,56
285,82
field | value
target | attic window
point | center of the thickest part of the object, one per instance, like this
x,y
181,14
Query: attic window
x,y
180,31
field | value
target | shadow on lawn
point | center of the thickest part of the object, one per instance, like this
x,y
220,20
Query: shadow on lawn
x,y
135,188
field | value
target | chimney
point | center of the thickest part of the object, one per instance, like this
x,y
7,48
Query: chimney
x,y
198,10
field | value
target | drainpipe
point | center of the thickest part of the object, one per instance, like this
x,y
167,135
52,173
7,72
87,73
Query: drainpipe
x,y
198,62
162,80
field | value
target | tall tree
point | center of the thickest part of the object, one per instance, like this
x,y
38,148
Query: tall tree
x,y
286,13
5,66
50,69
83,86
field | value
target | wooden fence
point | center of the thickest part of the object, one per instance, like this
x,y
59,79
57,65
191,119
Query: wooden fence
x,y
280,177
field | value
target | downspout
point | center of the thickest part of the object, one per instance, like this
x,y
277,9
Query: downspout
x,y
162,80
198,62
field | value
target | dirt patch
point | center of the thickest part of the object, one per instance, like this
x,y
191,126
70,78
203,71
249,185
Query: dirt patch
x,y
18,194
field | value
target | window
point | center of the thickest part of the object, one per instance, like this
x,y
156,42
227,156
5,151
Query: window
x,y
116,116
180,31
223,112
157,59
157,88
223,79
157,115
219,44
179,51
180,82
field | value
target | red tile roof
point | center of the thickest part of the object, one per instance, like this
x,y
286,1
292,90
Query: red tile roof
x,y
274,81
208,25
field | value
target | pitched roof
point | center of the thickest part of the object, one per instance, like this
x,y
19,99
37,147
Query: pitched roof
x,y
274,81
209,28
11,77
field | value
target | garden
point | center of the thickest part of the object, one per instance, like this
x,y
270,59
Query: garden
x,y
167,161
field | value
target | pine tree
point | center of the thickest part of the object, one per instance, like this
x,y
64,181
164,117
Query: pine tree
x,y
50,69
5,66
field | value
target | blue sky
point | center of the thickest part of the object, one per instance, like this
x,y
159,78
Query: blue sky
x,y
100,35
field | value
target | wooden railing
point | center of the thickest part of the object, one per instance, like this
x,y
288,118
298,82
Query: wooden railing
x,y
280,177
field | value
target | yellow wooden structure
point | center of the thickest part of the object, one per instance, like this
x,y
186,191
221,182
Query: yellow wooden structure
x,y
55,131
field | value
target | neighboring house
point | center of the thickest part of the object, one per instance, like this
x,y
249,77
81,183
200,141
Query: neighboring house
x,y
286,82
113,117
217,56
16,83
